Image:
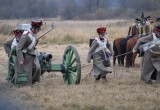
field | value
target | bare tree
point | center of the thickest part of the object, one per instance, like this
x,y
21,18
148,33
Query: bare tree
x,y
73,9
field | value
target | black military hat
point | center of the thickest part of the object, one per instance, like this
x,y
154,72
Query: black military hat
x,y
36,23
137,20
148,17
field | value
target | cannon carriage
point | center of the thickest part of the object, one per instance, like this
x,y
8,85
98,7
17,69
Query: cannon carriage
x,y
70,66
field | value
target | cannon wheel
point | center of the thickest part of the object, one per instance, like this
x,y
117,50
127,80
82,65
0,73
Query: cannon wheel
x,y
72,64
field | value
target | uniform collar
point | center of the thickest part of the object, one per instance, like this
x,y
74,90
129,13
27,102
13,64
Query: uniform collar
x,y
31,32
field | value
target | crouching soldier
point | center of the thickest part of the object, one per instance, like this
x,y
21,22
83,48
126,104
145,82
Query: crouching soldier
x,y
100,54
8,45
27,61
150,67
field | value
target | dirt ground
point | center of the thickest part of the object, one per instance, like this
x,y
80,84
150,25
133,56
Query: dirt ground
x,y
122,91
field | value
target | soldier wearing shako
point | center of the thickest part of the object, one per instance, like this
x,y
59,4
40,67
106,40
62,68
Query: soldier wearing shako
x,y
100,51
27,61
150,67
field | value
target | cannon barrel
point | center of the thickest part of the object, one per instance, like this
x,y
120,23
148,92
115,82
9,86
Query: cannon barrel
x,y
44,56
47,57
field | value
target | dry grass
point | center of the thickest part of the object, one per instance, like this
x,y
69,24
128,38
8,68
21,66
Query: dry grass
x,y
81,31
67,32
123,91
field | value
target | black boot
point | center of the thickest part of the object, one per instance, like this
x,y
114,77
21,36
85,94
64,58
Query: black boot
x,y
98,78
104,79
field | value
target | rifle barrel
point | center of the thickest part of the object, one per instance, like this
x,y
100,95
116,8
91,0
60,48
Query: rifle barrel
x,y
44,34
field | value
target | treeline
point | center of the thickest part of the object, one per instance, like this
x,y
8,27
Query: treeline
x,y
78,9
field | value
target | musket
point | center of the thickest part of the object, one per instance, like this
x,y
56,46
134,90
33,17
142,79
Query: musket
x,y
45,33
37,40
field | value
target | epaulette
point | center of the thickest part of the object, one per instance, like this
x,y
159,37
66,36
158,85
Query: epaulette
x,y
96,39
26,32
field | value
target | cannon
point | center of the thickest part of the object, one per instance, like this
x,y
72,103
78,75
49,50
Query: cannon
x,y
70,66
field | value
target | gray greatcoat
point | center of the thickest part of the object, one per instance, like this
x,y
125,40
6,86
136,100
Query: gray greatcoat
x,y
98,66
30,60
7,46
150,67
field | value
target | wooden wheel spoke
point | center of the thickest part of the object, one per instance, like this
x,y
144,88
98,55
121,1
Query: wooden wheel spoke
x,y
72,73
72,62
71,78
73,68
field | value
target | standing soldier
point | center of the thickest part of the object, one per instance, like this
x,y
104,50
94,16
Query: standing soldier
x,y
27,61
148,27
134,30
150,67
100,54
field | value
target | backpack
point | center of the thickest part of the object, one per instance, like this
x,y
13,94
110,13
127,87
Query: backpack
x,y
91,41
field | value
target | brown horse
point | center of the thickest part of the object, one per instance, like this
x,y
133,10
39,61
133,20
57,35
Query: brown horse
x,y
116,49
130,57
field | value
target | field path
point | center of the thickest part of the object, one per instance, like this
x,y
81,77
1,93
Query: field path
x,y
7,99
10,97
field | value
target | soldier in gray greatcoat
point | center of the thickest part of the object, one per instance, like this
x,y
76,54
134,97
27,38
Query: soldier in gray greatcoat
x,y
8,45
150,67
27,60
100,51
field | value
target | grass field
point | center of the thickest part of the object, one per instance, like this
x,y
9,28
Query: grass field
x,y
122,91
69,31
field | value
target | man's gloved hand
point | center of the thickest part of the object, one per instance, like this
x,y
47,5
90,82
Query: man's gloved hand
x,y
134,51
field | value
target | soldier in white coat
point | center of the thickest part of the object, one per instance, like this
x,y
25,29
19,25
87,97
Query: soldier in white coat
x,y
18,31
100,51
27,61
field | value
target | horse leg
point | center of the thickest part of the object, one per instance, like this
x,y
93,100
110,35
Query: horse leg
x,y
131,61
128,57
127,61
115,53
122,60
114,60
122,51
133,58
119,62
